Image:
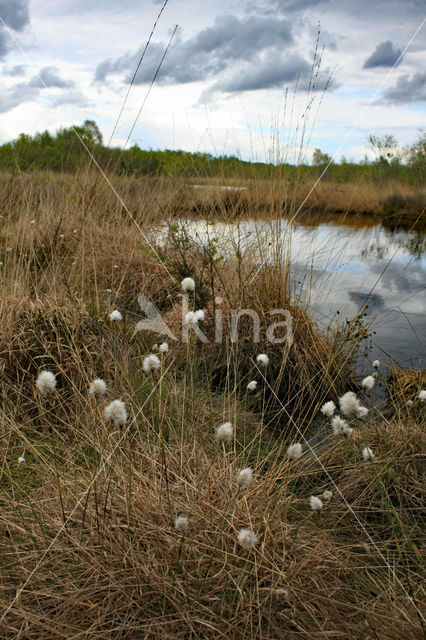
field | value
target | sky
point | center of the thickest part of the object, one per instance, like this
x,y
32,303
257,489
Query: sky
x,y
266,80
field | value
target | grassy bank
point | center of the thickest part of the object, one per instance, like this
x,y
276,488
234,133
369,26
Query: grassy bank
x,y
90,546
152,199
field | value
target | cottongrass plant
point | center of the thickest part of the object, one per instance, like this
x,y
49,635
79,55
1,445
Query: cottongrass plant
x,y
115,316
328,409
368,454
327,495
252,386
362,412
181,525
262,360
187,284
194,317
245,477
316,503
349,403
224,432
21,460
294,451
46,382
422,395
340,427
376,364
97,388
163,348
151,363
368,383
117,412
247,539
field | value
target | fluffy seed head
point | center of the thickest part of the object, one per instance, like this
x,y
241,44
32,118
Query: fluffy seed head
x,y
376,364
245,477
316,503
368,383
252,385
294,451
262,359
362,412
21,460
349,403
409,403
151,363
116,411
422,395
97,387
46,382
163,348
340,427
367,453
181,525
193,317
115,316
225,432
188,284
328,408
327,495
247,539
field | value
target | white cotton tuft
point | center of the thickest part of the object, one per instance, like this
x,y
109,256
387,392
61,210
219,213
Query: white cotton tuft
x,y
188,284
316,503
163,348
422,395
115,316
376,364
327,495
262,359
328,408
362,412
46,382
97,387
368,383
245,477
21,460
340,427
247,539
252,385
116,411
367,453
225,432
294,451
349,403
181,525
151,363
193,317
409,403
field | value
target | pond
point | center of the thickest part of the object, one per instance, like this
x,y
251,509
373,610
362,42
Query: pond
x,y
341,267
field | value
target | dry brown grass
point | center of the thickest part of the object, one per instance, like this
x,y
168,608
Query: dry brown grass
x,y
87,522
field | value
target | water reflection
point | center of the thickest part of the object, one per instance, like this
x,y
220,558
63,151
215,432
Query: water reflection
x,y
342,267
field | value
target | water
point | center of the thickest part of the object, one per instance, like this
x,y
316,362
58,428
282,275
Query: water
x,y
342,267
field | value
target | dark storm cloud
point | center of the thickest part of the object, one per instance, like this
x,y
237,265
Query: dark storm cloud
x,y
407,89
284,6
239,54
384,55
15,13
212,50
29,91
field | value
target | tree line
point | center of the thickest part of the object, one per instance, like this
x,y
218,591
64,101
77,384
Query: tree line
x,y
67,151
